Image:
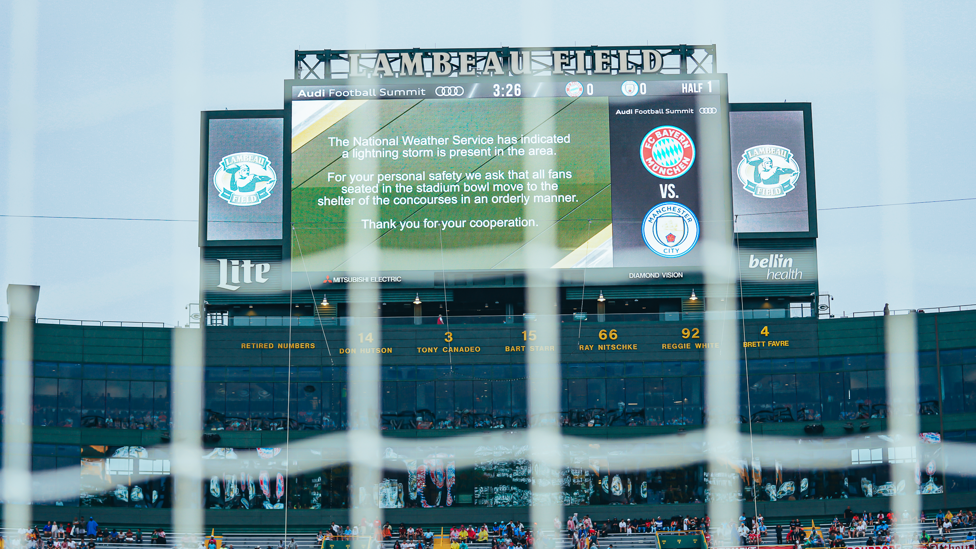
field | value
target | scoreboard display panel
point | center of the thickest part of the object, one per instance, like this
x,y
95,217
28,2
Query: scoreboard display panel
x,y
456,169
773,188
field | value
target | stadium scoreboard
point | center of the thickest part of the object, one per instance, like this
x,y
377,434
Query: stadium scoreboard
x,y
449,168
454,173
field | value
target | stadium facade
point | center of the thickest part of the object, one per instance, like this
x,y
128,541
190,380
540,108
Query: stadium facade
x,y
102,403
454,328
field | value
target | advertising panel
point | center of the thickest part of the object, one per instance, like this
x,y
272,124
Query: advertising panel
x,y
777,265
454,171
772,169
244,176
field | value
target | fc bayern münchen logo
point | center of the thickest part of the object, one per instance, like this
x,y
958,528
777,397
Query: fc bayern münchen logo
x,y
574,89
768,171
670,229
245,179
667,152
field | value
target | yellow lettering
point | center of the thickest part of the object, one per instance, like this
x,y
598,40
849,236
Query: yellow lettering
x,y
374,350
461,349
617,347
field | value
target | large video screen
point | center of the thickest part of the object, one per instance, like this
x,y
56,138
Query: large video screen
x,y
244,163
772,165
457,172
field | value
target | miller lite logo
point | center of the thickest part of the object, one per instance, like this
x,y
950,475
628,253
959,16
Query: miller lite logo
x,y
667,152
234,272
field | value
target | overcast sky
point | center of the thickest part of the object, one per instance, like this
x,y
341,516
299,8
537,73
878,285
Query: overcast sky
x,y
100,107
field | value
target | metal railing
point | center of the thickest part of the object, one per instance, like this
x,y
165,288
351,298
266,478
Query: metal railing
x,y
688,316
949,309
111,323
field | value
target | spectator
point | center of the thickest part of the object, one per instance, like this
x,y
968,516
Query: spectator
x,y
92,528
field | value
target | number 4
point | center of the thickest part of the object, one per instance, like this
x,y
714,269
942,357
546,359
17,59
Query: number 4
x,y
765,331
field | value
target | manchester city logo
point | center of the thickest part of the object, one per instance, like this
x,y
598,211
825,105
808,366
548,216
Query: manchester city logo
x,y
629,88
245,179
667,152
670,229
768,171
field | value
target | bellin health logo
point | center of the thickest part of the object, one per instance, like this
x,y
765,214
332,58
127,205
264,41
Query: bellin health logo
x,y
778,267
245,179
